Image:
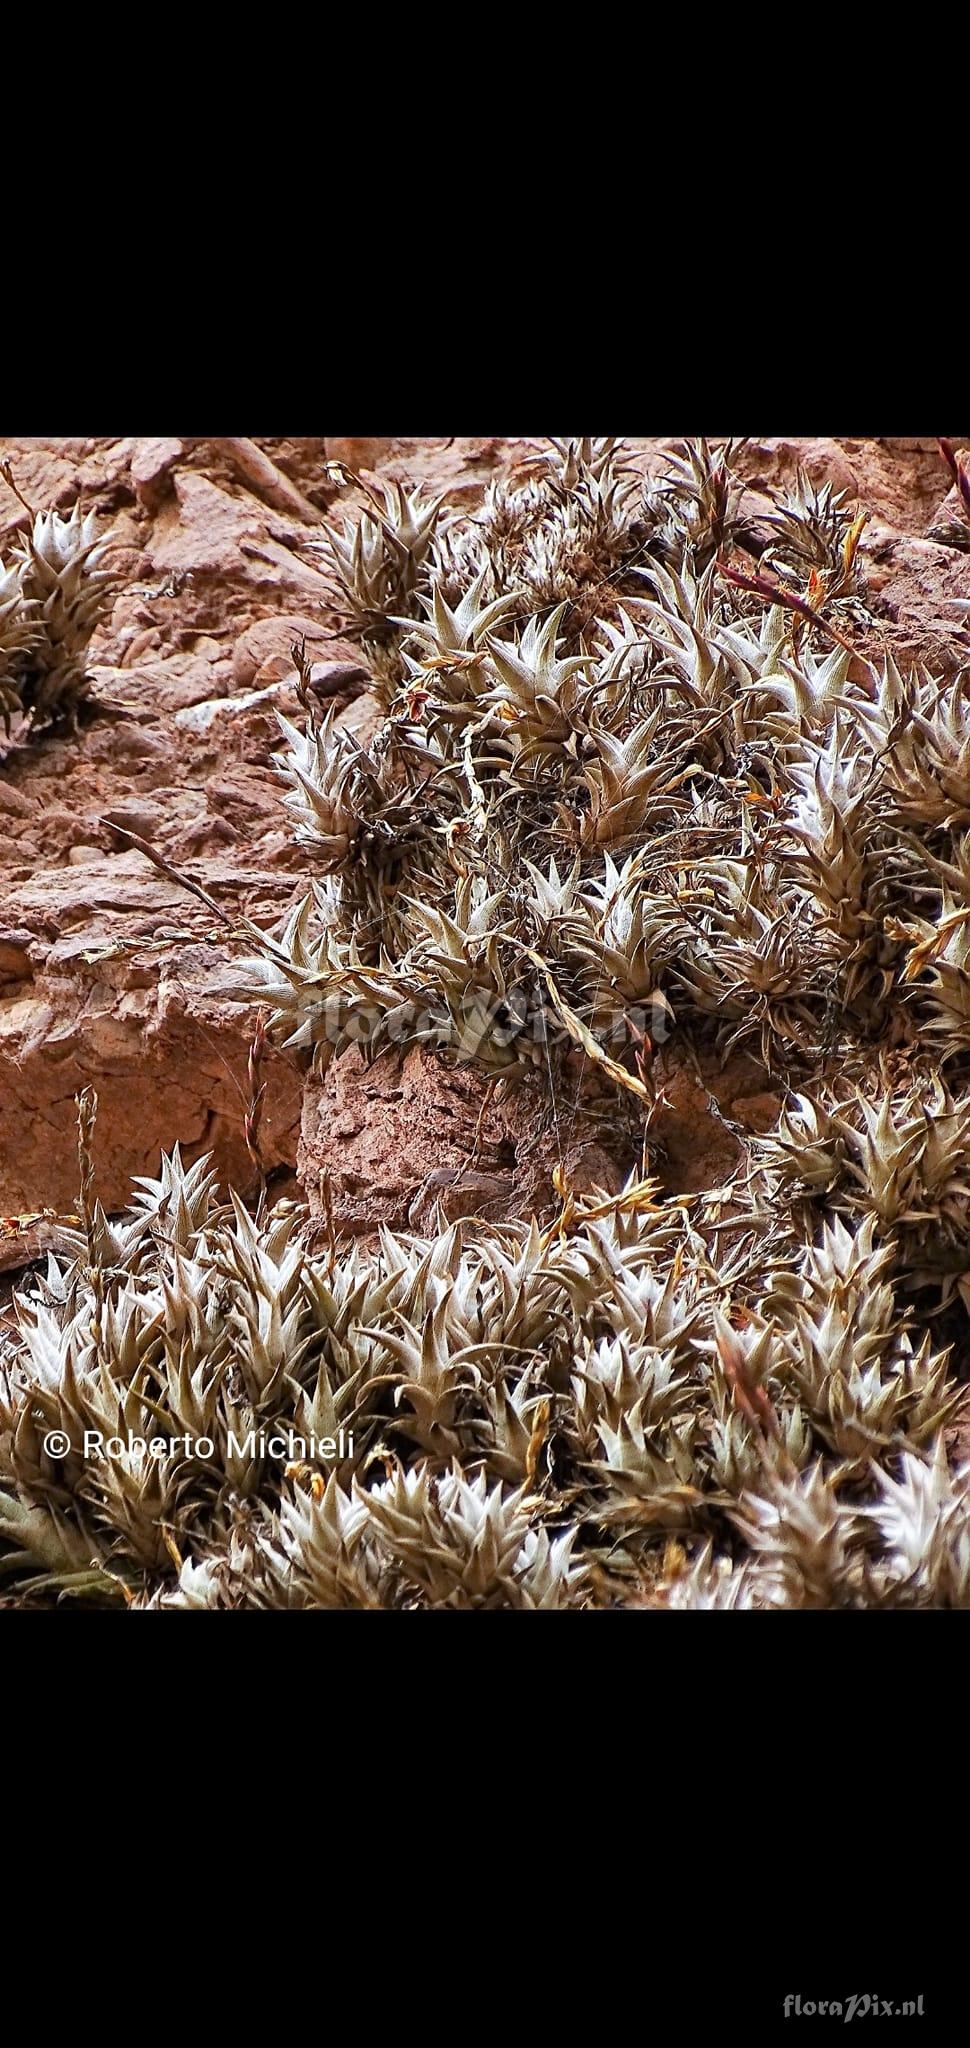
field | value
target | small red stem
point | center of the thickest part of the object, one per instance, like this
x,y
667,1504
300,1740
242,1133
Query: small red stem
x,y
776,594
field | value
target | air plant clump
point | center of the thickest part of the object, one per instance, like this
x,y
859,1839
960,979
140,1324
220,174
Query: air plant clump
x,y
815,536
697,502
625,795
637,797
378,568
198,1410
52,595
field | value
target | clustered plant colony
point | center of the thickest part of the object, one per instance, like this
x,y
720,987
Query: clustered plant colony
x,y
51,598
616,779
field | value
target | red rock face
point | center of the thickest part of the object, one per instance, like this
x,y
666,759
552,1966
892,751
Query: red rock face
x,y
113,976
408,1134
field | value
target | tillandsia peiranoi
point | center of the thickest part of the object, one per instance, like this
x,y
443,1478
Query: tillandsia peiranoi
x,y
203,1411
52,595
617,802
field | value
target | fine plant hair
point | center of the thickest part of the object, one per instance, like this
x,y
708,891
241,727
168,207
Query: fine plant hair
x,y
623,811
